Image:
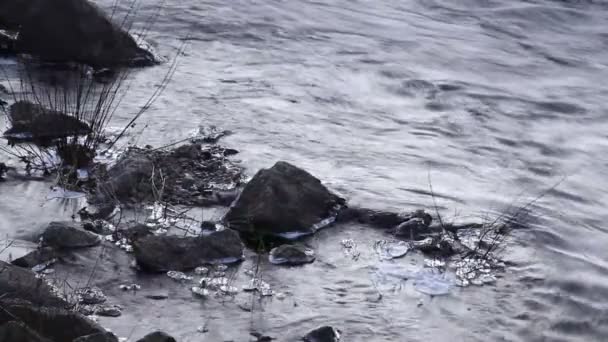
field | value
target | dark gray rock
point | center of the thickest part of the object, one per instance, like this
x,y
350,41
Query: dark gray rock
x,y
32,122
291,255
65,235
128,180
53,323
381,219
72,31
175,253
21,283
18,332
323,334
135,232
98,337
157,336
282,199
109,310
97,227
36,257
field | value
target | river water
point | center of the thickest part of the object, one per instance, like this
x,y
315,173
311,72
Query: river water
x,y
494,102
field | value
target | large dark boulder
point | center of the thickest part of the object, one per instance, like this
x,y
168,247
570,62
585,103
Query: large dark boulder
x,y
282,199
157,336
72,31
176,253
32,122
21,283
53,323
19,332
67,235
36,257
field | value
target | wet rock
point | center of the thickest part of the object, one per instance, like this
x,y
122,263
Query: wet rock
x,y
65,235
20,283
73,31
190,176
135,232
323,334
53,323
411,229
36,257
280,201
128,179
381,219
98,337
109,311
97,227
19,332
291,255
32,122
167,253
157,336
90,295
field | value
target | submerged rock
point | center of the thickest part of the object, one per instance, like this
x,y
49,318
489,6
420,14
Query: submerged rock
x,y
323,334
64,235
382,219
283,200
32,122
73,31
20,283
36,257
157,336
19,332
174,253
291,255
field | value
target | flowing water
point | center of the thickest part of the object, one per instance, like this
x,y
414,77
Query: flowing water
x,y
493,102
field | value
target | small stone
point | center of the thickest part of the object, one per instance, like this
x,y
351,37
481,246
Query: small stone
x,y
91,295
323,334
291,255
109,310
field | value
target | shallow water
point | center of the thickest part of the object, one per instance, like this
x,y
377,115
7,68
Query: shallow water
x,y
493,102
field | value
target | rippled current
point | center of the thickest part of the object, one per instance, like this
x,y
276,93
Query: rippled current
x,y
492,101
